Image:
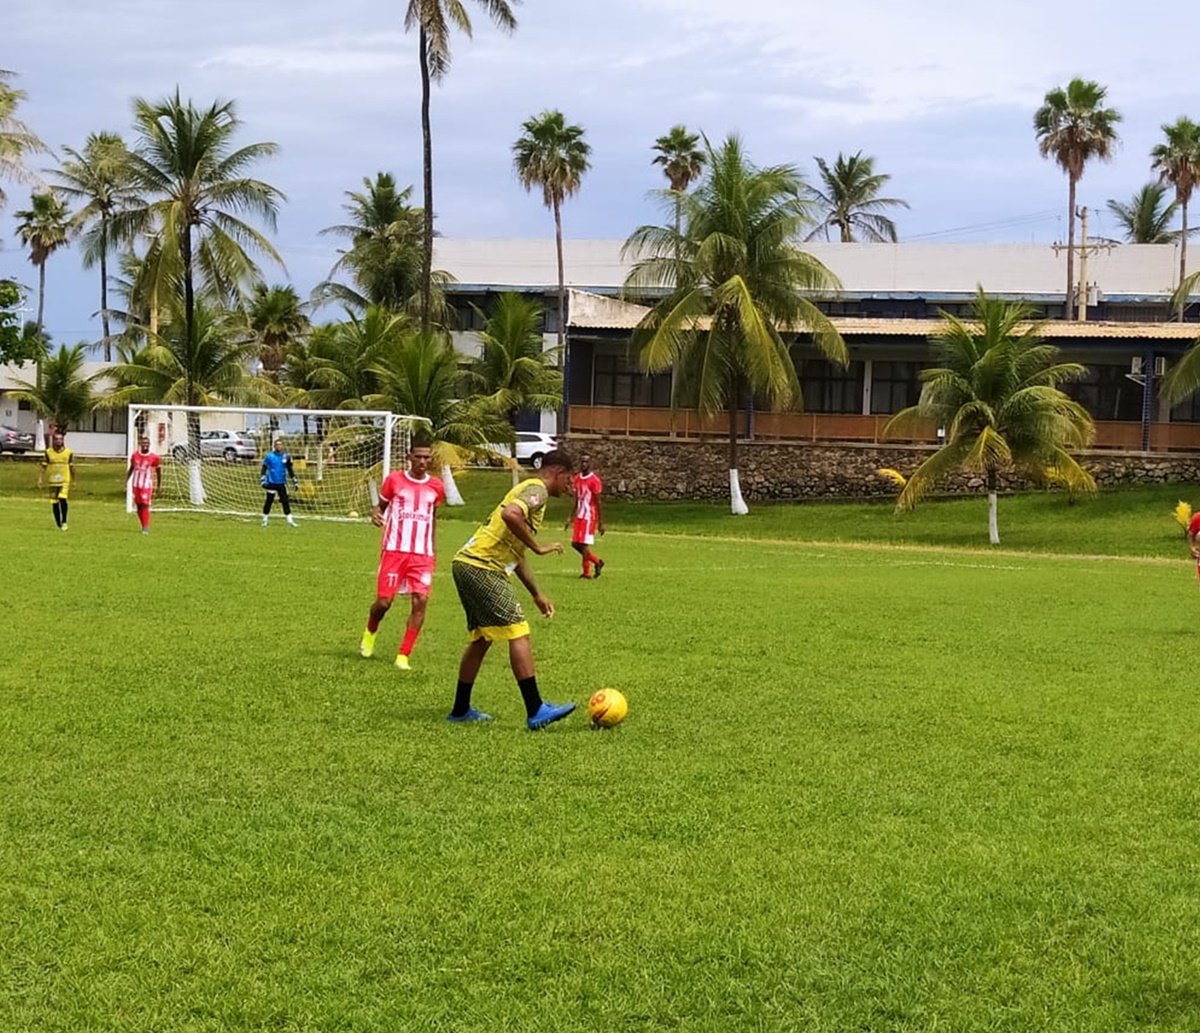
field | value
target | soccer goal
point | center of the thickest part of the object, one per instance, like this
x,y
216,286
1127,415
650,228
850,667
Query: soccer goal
x,y
211,456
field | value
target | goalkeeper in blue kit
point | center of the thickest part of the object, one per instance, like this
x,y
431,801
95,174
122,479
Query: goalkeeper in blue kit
x,y
276,471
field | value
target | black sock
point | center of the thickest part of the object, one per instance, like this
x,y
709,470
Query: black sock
x,y
63,506
57,513
462,699
530,694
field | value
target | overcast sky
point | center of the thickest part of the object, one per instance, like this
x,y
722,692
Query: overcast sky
x,y
941,92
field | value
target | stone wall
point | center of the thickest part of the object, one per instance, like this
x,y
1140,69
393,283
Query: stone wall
x,y
664,468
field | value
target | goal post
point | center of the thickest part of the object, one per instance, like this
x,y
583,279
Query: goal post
x,y
211,456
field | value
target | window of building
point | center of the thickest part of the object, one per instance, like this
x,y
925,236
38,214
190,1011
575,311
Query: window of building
x,y
102,421
829,388
1107,393
618,381
895,385
1187,411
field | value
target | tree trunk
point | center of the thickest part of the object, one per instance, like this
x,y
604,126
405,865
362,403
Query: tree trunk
x,y
104,327
993,523
427,181
1183,257
737,504
453,496
41,297
562,316
1069,309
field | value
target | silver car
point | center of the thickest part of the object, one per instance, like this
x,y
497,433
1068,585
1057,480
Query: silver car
x,y
230,445
13,440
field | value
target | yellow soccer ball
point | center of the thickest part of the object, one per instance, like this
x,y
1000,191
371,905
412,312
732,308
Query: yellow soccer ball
x,y
353,514
607,708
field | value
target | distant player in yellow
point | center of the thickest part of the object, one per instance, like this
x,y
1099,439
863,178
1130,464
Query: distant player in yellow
x,y
482,570
59,471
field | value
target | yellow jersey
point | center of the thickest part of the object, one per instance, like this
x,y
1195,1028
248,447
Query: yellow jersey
x,y
493,546
58,466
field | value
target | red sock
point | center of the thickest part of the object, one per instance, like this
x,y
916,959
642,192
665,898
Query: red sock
x,y
144,515
372,623
587,564
410,638
591,557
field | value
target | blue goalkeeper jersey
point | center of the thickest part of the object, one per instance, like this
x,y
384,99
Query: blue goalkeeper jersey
x,y
277,466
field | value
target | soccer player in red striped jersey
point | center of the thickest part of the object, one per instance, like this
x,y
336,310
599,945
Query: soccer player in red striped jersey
x,y
146,471
589,517
407,509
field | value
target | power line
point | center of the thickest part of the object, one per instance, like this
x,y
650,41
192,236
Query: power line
x,y
1020,220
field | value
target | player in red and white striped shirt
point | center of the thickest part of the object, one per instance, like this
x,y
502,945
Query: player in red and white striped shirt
x,y
146,472
589,517
406,511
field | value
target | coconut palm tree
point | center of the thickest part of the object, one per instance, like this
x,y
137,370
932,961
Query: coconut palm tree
x,y
343,355
553,156
43,229
433,20
98,178
196,189
17,140
851,202
996,392
206,363
682,160
1072,127
514,372
737,281
1145,218
1177,161
275,317
61,394
421,374
385,253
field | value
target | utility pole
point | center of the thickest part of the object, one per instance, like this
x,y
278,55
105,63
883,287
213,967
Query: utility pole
x,y
1084,250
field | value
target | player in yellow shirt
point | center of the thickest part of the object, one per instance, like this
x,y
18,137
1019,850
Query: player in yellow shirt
x,y
482,570
59,471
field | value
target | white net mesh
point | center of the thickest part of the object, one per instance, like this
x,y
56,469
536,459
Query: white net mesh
x,y
212,458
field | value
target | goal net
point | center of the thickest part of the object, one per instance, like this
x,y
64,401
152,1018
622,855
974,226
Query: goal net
x,y
211,457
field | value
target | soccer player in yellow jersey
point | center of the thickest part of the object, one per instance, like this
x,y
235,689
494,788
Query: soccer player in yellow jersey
x,y
482,570
59,471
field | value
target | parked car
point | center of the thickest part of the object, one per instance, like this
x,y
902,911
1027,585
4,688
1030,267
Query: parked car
x,y
532,447
230,445
13,440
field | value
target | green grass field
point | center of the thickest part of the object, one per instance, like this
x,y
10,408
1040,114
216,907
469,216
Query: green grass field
x,y
861,787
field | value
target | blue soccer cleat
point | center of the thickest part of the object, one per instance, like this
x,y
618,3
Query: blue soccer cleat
x,y
548,713
470,717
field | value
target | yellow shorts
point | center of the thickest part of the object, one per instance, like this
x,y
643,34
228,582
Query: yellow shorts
x,y
60,491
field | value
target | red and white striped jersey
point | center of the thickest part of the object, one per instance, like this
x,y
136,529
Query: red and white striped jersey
x,y
586,487
411,506
143,470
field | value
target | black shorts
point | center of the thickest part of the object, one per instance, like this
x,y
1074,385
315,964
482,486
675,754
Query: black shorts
x,y
489,602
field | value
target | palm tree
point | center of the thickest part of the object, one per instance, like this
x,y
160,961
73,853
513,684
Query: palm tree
x,y
737,280
682,160
850,200
433,19
61,393
196,189
1177,161
1145,219
1072,127
385,255
553,156
514,373
17,140
42,228
206,362
996,392
421,374
275,318
344,355
98,177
